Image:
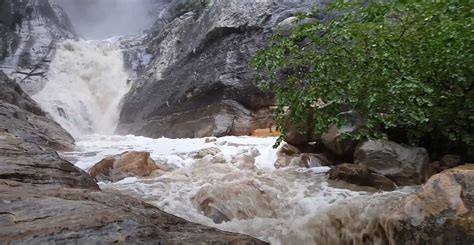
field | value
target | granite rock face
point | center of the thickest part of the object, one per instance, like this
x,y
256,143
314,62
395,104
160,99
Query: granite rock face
x,y
22,117
198,82
29,31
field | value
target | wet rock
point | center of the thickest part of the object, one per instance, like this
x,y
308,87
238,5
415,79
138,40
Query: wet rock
x,y
29,32
450,161
200,154
287,149
228,201
199,82
294,137
210,140
402,164
334,140
310,160
288,155
337,140
442,211
127,164
360,175
22,116
246,159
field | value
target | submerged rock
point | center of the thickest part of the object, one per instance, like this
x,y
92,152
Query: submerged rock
x,y
244,200
127,164
402,164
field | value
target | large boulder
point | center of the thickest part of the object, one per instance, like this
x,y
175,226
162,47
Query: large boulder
x,y
127,164
439,212
337,142
22,116
360,175
199,82
403,164
336,138
442,211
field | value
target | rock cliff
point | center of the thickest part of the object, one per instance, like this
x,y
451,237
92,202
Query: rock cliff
x,y
198,81
29,31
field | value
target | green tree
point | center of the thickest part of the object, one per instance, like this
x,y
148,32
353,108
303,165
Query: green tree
x,y
403,65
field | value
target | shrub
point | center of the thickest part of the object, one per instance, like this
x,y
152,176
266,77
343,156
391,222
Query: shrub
x,y
405,66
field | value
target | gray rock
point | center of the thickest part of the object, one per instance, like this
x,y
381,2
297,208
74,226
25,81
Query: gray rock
x,y
441,212
200,69
336,139
450,160
29,31
360,175
21,116
404,165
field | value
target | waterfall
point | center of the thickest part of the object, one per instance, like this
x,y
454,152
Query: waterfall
x,y
86,83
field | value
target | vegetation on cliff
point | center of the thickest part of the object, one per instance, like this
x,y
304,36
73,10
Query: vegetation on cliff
x,y
405,66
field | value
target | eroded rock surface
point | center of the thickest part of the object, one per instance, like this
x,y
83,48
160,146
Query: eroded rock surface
x,y
404,165
29,32
199,82
127,164
22,117
442,211
360,175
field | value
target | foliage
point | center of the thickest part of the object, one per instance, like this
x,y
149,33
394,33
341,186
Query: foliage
x,y
404,65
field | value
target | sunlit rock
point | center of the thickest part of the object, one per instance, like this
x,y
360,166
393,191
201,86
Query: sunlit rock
x,y
127,164
442,211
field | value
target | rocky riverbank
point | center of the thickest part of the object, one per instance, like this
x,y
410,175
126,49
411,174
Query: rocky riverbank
x,y
45,199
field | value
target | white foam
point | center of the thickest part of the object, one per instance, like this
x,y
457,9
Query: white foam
x,y
85,87
297,194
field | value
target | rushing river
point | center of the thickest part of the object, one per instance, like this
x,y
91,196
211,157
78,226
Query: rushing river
x,y
234,186
282,206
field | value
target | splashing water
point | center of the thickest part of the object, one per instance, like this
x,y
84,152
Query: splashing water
x,y
240,186
86,83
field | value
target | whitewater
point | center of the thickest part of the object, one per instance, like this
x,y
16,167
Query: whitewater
x,y
86,82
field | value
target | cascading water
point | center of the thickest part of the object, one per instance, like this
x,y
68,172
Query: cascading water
x,y
86,83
